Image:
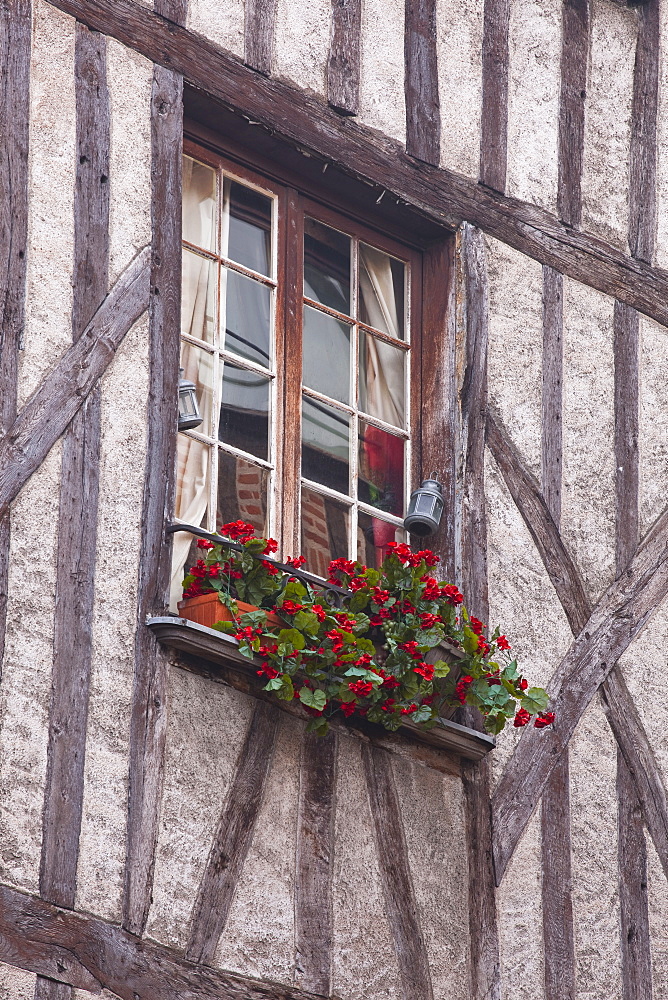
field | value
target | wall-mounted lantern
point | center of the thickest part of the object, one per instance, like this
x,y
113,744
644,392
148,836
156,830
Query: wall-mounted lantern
x,y
189,415
425,509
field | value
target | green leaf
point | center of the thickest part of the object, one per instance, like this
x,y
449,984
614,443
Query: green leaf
x,y
470,642
441,668
314,699
228,627
317,726
286,691
275,684
291,637
534,700
306,621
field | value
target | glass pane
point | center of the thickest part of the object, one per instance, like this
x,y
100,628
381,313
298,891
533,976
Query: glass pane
x,y
381,291
374,537
326,266
198,368
199,204
198,297
247,317
242,492
193,466
325,531
326,357
244,411
325,445
246,227
381,469
382,379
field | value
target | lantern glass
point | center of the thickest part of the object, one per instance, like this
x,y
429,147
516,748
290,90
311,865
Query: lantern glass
x,y
189,415
425,509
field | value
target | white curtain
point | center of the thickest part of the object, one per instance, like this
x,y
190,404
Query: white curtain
x,y
385,369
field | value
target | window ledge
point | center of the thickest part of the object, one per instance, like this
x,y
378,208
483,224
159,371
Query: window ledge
x,y
223,651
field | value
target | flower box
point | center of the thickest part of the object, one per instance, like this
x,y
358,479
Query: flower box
x,y
207,609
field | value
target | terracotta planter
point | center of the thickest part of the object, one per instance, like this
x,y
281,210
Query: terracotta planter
x,y
207,610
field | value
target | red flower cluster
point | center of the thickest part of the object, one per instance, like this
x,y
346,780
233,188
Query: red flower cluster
x,y
290,607
338,567
271,546
521,718
238,531
361,688
502,642
462,687
348,708
425,670
452,595
544,719
296,561
409,558
476,625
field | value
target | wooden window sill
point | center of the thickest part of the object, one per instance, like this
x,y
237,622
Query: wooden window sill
x,y
222,651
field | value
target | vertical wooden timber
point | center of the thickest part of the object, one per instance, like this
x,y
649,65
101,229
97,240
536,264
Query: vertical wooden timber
x,y
574,57
633,905
423,109
553,364
494,123
642,159
15,41
483,931
259,20
400,903
343,62
233,836
314,929
149,717
626,432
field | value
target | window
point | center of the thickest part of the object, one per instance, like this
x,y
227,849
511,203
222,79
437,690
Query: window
x,y
300,329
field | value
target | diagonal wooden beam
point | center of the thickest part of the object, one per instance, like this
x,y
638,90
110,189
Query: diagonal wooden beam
x,y
441,195
62,393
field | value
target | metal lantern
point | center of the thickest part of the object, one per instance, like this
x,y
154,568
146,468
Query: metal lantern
x,y
425,509
189,415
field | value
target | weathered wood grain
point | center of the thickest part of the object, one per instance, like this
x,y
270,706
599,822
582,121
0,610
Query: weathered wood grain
x,y
343,61
633,906
62,393
494,121
553,364
173,10
259,20
314,922
642,152
90,954
423,108
574,58
15,44
626,327
440,195
49,989
392,852
558,937
233,836
149,710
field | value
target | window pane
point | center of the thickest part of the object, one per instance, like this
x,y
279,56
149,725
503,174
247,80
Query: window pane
x,y
198,368
193,467
326,445
326,266
242,492
382,379
247,317
374,537
381,291
247,227
199,204
198,298
244,411
381,475
326,355
325,530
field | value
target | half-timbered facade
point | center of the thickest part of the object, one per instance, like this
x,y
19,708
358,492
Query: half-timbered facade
x,y
165,831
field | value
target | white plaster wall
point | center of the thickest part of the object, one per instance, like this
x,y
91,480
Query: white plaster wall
x,y
588,496
653,431
593,770
48,322
533,100
607,122
102,840
520,915
382,103
459,42
25,692
130,77
657,899
301,42
15,984
222,23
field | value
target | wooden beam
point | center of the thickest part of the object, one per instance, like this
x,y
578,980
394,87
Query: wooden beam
x,y
343,61
553,364
148,714
233,836
91,954
626,328
494,121
574,59
62,393
15,43
400,903
440,195
642,153
259,22
423,108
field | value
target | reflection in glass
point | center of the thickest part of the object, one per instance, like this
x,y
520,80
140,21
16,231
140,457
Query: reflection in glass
x,y
373,538
247,317
199,204
326,355
198,368
326,266
325,445
242,492
193,471
382,379
246,226
325,529
198,297
381,291
244,411
381,475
